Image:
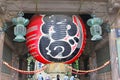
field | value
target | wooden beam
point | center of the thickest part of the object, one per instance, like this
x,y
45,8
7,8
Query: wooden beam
x,y
57,6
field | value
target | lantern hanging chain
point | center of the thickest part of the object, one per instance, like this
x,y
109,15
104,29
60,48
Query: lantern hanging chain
x,y
93,9
36,6
21,8
80,2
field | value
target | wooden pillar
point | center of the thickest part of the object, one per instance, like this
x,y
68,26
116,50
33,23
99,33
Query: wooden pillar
x,y
1,49
113,55
93,65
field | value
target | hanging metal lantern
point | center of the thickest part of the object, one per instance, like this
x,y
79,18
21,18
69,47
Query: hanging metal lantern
x,y
95,28
20,29
20,32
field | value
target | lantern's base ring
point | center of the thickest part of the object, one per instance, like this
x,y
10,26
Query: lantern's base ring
x,y
19,38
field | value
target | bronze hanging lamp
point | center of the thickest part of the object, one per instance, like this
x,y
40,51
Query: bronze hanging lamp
x,y
95,27
20,30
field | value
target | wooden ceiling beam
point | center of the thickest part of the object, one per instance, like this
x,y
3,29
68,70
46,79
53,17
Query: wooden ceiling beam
x,y
57,6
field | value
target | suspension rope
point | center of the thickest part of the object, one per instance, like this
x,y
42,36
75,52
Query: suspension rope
x,y
88,71
75,71
79,73
23,71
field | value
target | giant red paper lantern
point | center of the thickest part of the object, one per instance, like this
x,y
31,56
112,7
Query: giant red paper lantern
x,y
56,38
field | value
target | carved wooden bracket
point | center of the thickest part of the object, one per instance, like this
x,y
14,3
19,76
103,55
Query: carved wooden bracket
x,y
113,6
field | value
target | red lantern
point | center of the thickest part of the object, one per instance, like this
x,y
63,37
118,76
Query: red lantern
x,y
56,38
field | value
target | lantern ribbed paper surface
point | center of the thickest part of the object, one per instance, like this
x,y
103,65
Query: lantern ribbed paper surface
x,y
55,38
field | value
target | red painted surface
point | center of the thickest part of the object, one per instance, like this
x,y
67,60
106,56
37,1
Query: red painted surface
x,y
35,34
